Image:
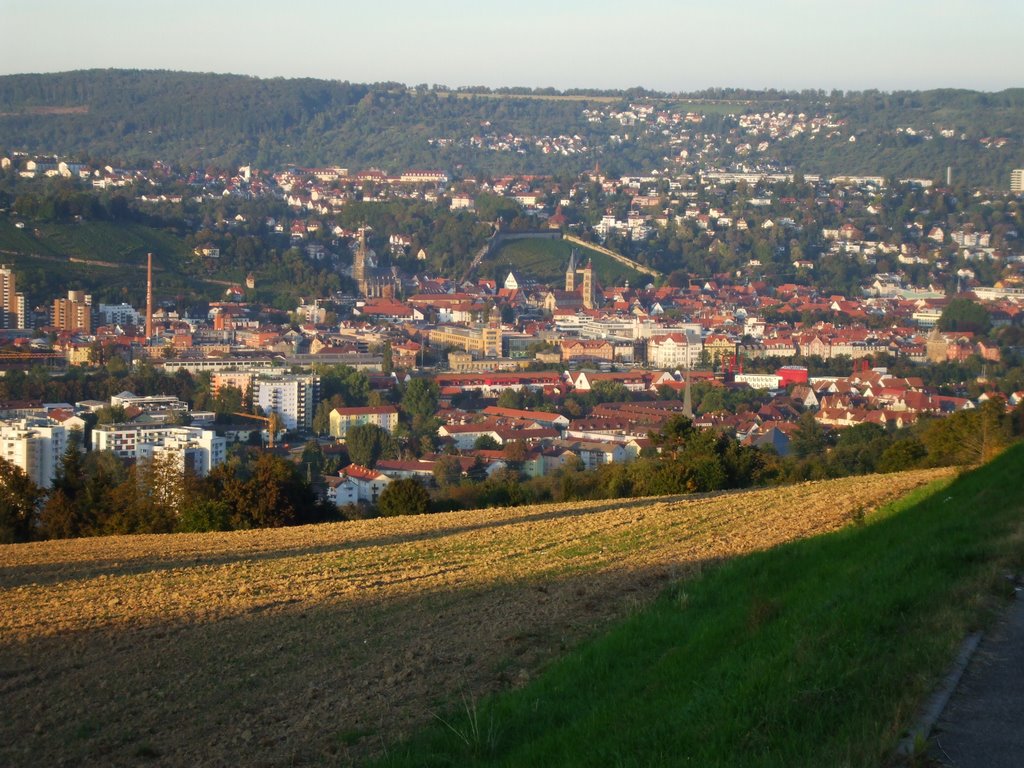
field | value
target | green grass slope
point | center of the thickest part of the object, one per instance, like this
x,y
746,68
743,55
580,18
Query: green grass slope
x,y
119,243
546,260
20,241
125,243
815,653
104,258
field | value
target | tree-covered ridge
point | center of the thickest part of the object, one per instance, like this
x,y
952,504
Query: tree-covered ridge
x,y
974,133
212,119
155,112
230,119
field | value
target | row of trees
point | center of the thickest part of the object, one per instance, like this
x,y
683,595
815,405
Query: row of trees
x,y
99,383
964,438
692,460
96,494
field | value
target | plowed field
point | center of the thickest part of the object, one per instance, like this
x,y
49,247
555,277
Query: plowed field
x,y
324,644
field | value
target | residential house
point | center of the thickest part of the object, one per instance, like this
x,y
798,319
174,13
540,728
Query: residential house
x,y
357,484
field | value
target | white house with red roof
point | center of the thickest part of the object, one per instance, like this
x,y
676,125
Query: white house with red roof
x,y
465,435
540,419
356,483
416,469
634,381
593,453
67,419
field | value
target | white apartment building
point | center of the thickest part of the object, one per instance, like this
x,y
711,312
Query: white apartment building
x,y
240,380
647,330
36,446
119,314
343,419
197,454
673,351
217,364
1017,180
759,380
198,449
149,403
293,398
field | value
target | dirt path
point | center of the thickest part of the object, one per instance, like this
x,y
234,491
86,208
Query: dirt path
x,y
324,644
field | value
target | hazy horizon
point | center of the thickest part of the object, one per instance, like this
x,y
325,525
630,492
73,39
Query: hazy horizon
x,y
670,46
568,88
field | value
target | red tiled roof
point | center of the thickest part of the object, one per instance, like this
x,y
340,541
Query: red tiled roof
x,y
514,413
367,410
359,472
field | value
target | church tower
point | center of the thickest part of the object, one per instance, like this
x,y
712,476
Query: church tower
x,y
570,273
587,287
936,346
359,262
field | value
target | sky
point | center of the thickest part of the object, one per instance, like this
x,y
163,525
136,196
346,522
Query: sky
x,y
667,45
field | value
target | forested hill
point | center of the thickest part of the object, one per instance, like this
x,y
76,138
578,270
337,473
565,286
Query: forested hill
x,y
231,119
226,120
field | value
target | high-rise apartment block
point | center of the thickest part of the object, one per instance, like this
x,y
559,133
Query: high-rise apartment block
x,y
35,445
1017,180
119,314
198,450
293,398
73,313
12,303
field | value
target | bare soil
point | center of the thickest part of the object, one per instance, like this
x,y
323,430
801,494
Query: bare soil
x,y
326,644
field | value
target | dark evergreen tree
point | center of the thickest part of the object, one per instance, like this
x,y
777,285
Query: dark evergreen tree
x,y
404,497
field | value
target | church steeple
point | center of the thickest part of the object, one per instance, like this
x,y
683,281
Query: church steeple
x,y
570,273
588,288
359,262
687,397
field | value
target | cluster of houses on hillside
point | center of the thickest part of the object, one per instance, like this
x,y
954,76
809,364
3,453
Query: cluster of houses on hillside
x,y
619,431
482,437
479,337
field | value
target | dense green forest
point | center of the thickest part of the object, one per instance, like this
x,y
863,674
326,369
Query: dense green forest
x,y
875,119
227,120
203,119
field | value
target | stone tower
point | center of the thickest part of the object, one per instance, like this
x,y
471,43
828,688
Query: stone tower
x,y
587,286
936,346
359,262
570,273
687,397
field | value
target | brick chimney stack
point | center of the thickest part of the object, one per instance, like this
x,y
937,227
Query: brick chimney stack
x,y
149,298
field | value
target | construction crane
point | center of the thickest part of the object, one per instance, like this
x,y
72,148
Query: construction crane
x,y
273,422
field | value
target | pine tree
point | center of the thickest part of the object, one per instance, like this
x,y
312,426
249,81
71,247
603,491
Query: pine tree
x,y
19,502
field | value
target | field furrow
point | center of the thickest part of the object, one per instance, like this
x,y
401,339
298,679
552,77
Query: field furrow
x,y
326,643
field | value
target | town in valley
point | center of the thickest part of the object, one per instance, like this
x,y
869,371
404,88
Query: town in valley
x,y
495,330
